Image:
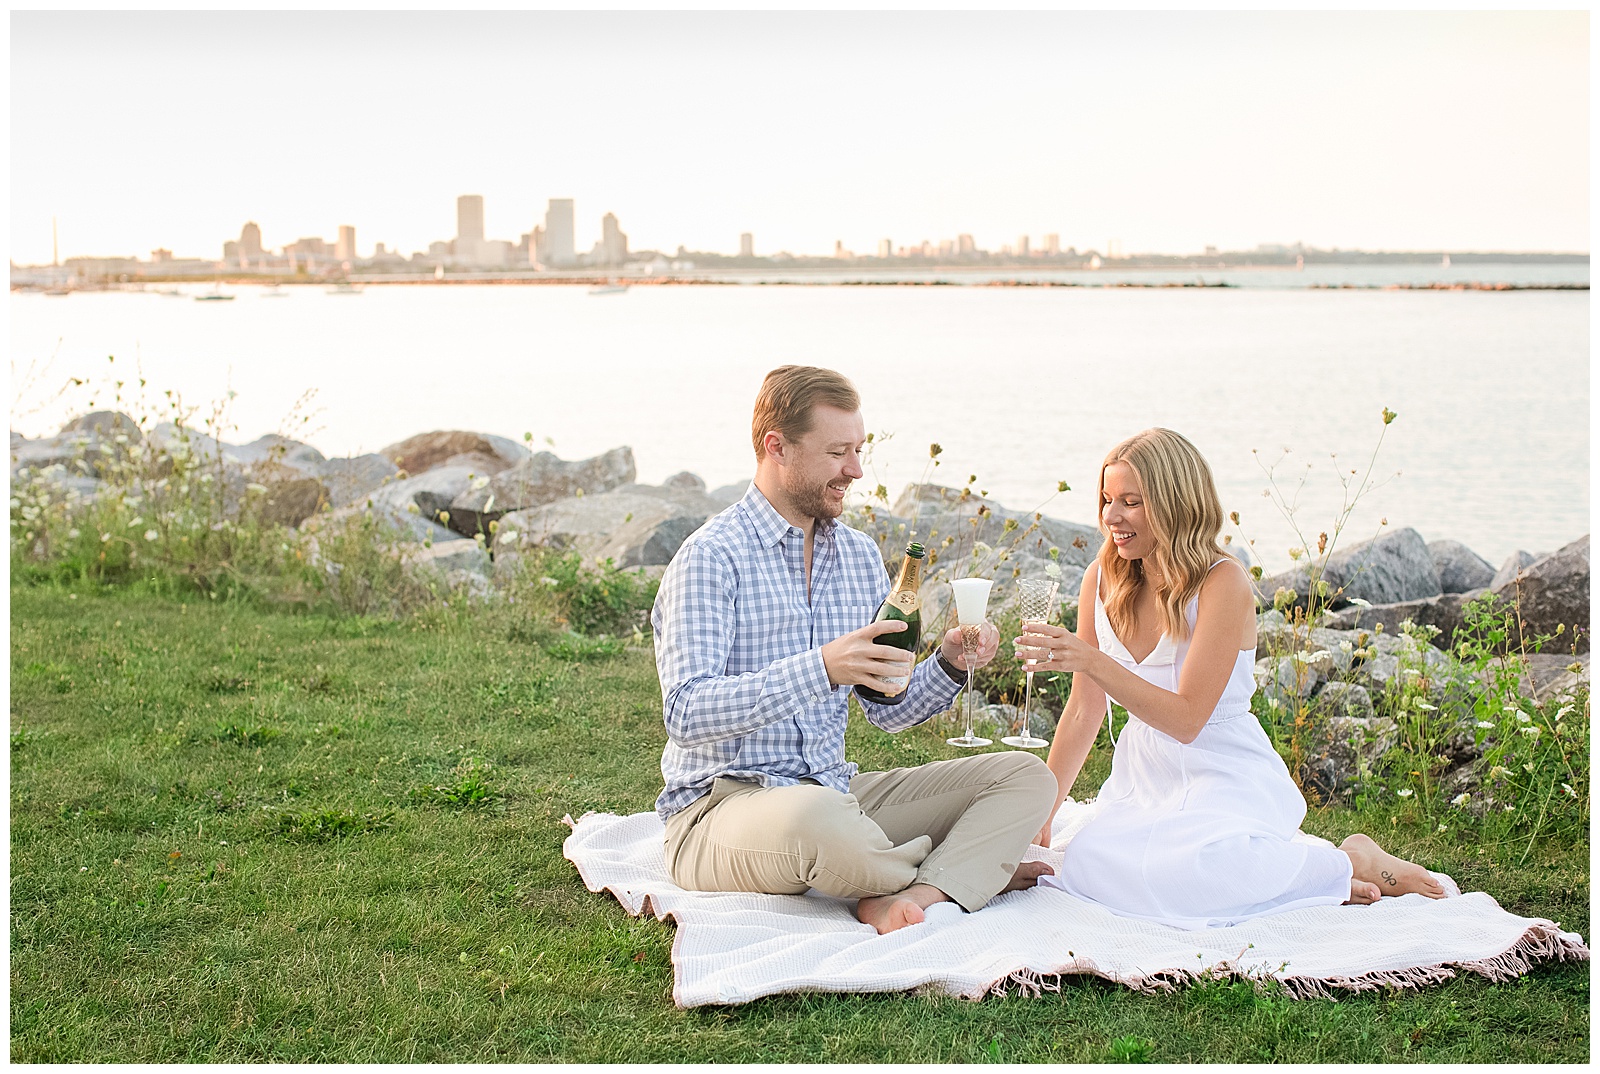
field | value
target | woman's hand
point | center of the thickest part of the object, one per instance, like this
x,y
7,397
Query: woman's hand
x,y
1053,648
988,646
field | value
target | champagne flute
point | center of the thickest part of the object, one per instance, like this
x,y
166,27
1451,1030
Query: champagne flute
x,y
972,597
1038,601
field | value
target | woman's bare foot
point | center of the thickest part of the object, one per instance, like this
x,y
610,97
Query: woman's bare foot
x,y
1362,893
886,913
1378,868
1028,874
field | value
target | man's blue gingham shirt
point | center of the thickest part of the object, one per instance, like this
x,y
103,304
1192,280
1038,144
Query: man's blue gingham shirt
x,y
739,651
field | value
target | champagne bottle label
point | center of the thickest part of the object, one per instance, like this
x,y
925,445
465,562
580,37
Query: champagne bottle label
x,y
903,604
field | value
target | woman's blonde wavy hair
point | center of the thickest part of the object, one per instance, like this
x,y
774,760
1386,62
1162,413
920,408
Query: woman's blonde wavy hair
x,y
1181,503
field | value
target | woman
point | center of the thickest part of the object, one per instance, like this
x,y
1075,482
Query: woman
x,y
1199,822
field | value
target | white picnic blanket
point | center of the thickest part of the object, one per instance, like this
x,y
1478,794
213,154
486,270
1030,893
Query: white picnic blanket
x,y
733,948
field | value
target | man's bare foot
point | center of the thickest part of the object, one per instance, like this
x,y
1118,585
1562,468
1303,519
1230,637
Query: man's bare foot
x,y
1028,874
1389,874
886,913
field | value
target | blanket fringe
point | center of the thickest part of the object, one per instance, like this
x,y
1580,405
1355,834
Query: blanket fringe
x,y
1542,940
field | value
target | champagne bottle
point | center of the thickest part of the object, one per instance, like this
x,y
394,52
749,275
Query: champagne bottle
x,y
904,604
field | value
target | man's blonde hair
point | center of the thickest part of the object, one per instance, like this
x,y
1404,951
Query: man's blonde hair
x,y
788,396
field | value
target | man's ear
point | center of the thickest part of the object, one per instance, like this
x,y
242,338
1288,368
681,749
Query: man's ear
x,y
773,444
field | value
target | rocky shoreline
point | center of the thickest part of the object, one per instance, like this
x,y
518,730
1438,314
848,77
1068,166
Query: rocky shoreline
x,y
469,505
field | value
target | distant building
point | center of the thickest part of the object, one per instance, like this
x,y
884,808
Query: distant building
x,y
345,248
250,241
438,251
1052,244
1022,246
160,256
613,247
469,229
965,246
885,249
494,253
304,248
947,248
840,252
230,251
558,249
535,244
747,244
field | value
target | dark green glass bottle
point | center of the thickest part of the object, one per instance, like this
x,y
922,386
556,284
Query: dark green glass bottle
x,y
904,603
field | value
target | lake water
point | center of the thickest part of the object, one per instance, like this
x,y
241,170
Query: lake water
x,y
1023,387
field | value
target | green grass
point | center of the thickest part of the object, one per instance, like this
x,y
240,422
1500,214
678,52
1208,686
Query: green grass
x,y
240,835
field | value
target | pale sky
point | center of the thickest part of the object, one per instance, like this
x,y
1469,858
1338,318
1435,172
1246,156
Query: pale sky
x,y
1164,131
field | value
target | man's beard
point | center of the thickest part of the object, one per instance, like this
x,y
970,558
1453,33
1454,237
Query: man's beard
x,y
812,501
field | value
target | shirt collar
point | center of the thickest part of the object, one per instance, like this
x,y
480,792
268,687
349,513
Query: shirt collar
x,y
770,526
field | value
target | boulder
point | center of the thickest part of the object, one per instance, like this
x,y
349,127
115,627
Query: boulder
x,y
103,424
275,449
290,502
1553,594
1460,568
730,494
1346,700
543,478
933,512
631,528
1509,569
354,478
451,555
425,451
1390,568
432,491
1443,611
1557,677
1343,749
685,482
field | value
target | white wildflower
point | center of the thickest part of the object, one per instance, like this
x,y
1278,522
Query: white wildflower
x,y
1320,654
73,534
256,486
547,580
1566,789
1499,771
507,536
1443,828
104,537
1528,767
1405,793
1052,569
1486,725
1360,602
138,520
1346,647
1425,707
151,535
1563,711
480,482
1523,717
1460,800
1529,732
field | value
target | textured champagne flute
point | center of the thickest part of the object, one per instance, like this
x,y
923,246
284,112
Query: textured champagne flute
x,y
1038,602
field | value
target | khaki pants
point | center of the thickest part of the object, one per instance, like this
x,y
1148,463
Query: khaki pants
x,y
960,825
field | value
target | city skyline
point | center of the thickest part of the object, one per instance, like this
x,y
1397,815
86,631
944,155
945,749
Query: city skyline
x,y
1162,131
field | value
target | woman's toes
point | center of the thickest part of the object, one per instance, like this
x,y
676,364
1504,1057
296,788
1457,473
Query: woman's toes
x,y
1363,893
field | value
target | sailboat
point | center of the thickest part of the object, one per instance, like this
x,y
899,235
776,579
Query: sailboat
x,y
1444,262
213,295
344,287
610,287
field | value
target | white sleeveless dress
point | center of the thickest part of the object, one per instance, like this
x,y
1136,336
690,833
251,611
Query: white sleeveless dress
x,y
1199,835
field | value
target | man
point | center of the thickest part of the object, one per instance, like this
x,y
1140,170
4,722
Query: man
x,y
763,623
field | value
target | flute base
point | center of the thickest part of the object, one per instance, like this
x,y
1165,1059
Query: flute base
x,y
1025,742
969,741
